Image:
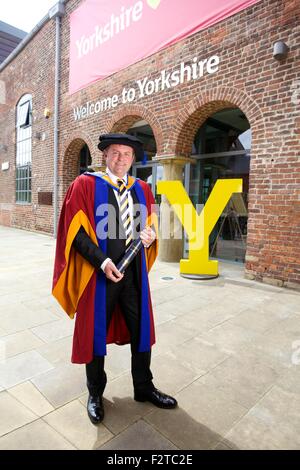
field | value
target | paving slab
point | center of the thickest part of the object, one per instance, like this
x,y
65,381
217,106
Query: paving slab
x,y
22,367
27,394
13,414
54,330
18,317
139,436
272,424
57,352
62,384
198,356
71,422
19,342
35,436
205,415
246,378
170,374
169,334
227,348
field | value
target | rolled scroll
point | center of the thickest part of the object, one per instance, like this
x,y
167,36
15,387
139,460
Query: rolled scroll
x,y
131,253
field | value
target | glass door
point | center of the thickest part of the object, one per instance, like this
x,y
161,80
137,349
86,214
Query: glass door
x,y
150,173
221,150
228,238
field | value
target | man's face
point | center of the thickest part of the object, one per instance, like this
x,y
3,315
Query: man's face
x,y
119,159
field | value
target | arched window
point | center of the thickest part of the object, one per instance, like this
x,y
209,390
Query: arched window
x,y
85,159
23,149
221,150
146,170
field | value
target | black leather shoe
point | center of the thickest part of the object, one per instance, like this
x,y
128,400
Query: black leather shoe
x,y
95,409
157,398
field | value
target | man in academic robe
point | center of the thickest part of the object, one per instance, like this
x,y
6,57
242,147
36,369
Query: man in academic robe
x,y
101,215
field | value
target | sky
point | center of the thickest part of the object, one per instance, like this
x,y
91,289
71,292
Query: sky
x,y
24,14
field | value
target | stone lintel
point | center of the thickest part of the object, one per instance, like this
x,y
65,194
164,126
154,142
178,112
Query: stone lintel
x,y
173,159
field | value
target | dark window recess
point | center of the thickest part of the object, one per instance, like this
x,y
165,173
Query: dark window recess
x,y
143,131
45,198
222,145
85,159
24,115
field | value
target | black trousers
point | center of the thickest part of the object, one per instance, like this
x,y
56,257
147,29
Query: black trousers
x,y
126,293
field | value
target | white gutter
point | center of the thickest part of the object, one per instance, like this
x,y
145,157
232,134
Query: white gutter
x,y
57,11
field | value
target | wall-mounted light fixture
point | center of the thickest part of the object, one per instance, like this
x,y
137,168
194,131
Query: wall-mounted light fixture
x,y
280,50
40,135
47,113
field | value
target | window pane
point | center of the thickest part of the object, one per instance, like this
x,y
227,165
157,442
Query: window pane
x,y
23,183
23,150
223,146
22,112
223,131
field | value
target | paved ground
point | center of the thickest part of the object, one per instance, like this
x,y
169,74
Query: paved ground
x,y
228,349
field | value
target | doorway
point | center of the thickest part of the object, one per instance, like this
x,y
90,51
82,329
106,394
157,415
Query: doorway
x,y
151,173
221,150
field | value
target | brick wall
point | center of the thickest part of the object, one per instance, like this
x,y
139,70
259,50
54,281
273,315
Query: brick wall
x,y
267,91
32,71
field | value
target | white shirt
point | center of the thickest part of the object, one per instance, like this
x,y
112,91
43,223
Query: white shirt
x,y
115,179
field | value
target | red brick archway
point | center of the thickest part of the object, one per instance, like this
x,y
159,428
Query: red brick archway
x,y
196,111
126,116
69,165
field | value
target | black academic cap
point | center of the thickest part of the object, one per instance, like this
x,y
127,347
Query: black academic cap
x,y
122,139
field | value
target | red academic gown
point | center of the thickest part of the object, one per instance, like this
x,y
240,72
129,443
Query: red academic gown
x,y
75,280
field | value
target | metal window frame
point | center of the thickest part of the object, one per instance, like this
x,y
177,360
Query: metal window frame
x,y
152,165
206,156
23,184
27,179
231,153
24,114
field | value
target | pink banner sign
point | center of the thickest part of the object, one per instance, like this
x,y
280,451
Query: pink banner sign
x,y
107,36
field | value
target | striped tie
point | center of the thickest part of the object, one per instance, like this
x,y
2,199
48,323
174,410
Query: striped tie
x,y
124,212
